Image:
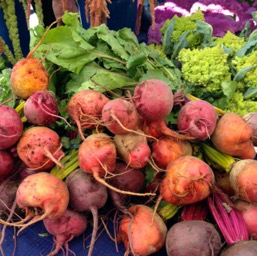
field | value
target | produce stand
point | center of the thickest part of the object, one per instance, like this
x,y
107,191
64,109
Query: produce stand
x,y
180,50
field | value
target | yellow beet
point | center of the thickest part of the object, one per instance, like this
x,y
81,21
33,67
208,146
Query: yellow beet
x,y
28,76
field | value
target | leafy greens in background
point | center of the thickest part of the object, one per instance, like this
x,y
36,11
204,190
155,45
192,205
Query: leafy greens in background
x,y
102,59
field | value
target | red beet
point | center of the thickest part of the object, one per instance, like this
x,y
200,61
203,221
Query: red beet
x,y
198,119
7,163
70,225
153,99
41,108
11,127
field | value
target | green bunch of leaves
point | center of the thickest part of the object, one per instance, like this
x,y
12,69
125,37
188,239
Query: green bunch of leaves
x,y
185,32
102,59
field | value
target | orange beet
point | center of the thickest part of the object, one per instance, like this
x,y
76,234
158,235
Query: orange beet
x,y
40,148
168,148
188,180
233,136
28,76
145,233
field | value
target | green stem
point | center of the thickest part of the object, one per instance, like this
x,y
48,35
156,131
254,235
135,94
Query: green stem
x,y
168,211
223,160
100,54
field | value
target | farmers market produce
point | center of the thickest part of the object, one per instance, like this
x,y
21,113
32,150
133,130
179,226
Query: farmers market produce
x,y
248,211
7,164
190,178
143,223
41,108
84,111
40,191
128,179
133,149
40,148
28,76
167,149
11,127
242,179
197,118
65,228
194,237
231,129
120,116
86,194
241,249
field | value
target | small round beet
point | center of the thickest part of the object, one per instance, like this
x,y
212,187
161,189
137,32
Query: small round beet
x,y
41,108
153,99
11,127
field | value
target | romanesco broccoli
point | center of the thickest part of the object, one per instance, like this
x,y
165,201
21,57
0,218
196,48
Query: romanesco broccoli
x,y
205,68
239,105
185,24
231,41
250,78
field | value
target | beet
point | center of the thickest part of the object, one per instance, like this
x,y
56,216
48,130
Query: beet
x,y
85,109
41,108
7,163
198,119
70,225
193,237
128,179
242,248
153,99
86,195
11,127
40,148
251,119
8,189
120,116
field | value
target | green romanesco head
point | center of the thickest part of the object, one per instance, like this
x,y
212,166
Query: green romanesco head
x,y
239,105
183,24
206,67
232,41
250,79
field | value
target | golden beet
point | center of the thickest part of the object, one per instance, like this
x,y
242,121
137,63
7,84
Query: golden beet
x,y
28,76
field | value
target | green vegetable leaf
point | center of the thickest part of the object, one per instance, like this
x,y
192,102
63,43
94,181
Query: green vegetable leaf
x,y
166,39
250,93
109,37
182,43
229,88
5,89
241,73
206,30
95,77
247,48
136,60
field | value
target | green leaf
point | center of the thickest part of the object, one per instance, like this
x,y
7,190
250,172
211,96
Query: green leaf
x,y
180,44
71,19
229,88
247,48
206,30
250,93
95,77
5,88
109,37
166,39
65,48
136,60
241,73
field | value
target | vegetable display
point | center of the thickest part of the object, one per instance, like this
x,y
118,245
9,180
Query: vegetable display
x,y
145,136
